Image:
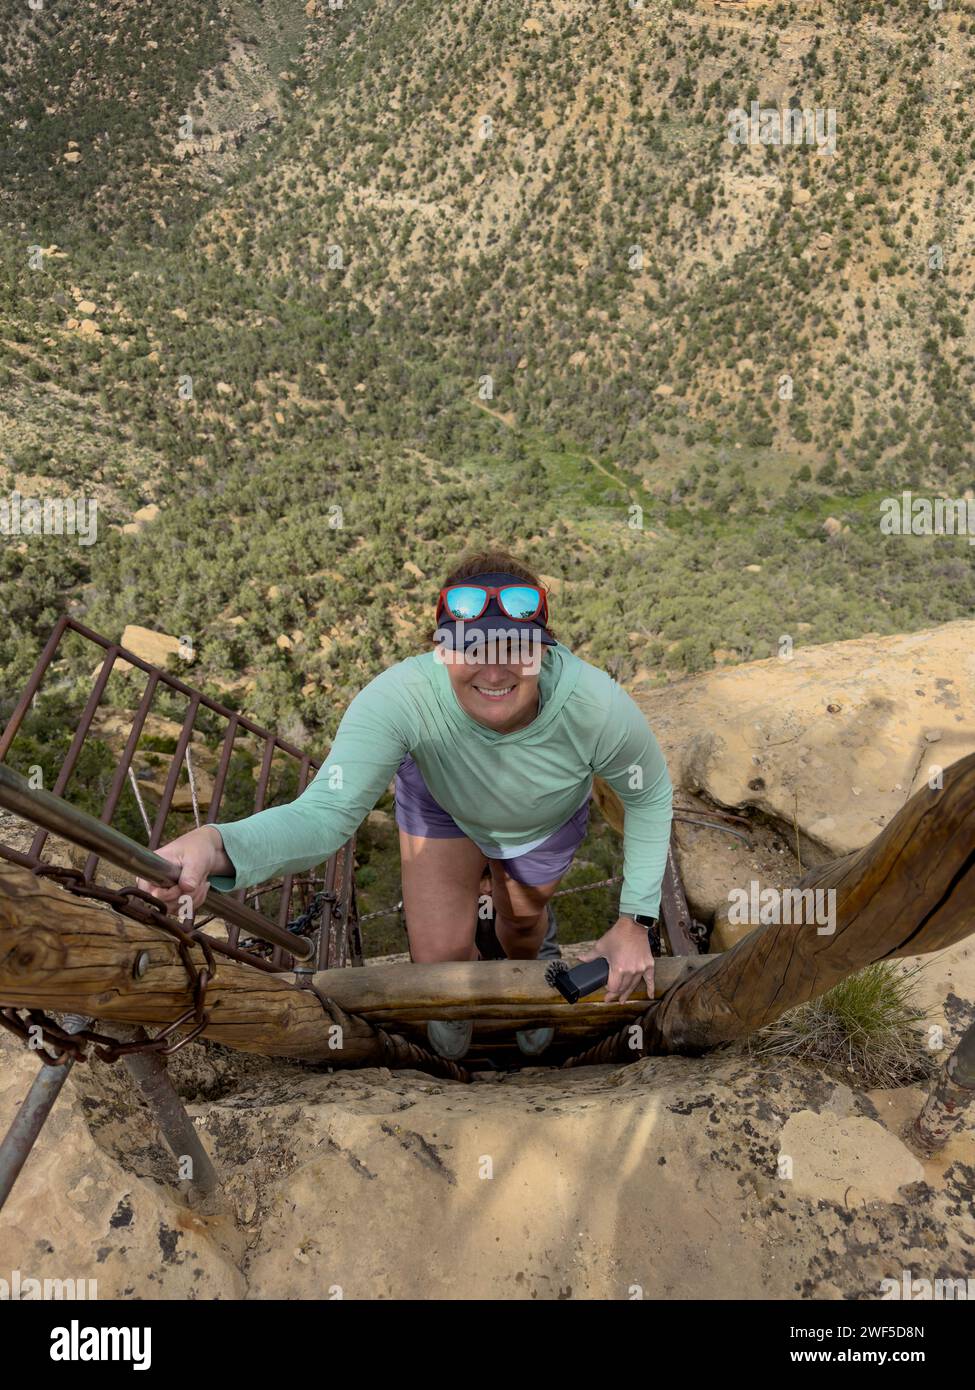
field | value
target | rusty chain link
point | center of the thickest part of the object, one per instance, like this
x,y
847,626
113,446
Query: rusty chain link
x,y
305,924
133,902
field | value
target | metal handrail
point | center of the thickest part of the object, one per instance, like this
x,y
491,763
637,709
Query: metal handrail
x,y
58,817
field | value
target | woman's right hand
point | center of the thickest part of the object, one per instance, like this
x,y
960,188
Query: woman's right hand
x,y
197,855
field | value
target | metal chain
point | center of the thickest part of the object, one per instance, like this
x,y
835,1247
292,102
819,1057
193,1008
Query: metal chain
x,y
302,925
699,933
304,922
132,902
585,887
383,912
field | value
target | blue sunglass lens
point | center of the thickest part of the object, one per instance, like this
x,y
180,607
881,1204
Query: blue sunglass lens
x,y
520,601
464,602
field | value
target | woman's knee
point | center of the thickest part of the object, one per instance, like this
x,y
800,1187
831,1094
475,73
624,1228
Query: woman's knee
x,y
437,952
520,900
524,920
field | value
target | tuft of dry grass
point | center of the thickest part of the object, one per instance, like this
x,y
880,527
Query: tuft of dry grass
x,y
864,1029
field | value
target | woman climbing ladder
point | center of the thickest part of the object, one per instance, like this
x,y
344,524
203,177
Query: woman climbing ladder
x,y
493,737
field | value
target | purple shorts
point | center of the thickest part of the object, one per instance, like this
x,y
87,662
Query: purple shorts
x,y
418,814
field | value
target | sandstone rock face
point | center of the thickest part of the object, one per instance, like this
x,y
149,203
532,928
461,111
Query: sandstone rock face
x,y
156,647
76,1213
836,739
152,765
141,519
664,1176
843,1156
712,863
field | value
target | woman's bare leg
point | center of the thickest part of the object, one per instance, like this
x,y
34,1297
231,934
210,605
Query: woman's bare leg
x,y
520,912
441,880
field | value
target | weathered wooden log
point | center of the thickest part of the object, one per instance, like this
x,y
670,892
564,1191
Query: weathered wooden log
x,y
63,952
911,890
59,951
512,993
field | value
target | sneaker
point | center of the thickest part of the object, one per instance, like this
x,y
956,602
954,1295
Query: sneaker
x,y
450,1037
532,1042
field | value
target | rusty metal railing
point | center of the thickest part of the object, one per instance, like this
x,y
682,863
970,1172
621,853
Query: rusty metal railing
x,y
321,902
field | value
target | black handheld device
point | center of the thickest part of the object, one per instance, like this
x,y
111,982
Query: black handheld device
x,y
581,980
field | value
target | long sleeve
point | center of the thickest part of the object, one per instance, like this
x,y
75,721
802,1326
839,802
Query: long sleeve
x,y
368,748
630,759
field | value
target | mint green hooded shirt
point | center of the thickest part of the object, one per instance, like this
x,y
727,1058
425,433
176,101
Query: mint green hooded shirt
x,y
505,791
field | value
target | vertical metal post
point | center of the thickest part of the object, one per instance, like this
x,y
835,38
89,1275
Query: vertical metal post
x,y
950,1098
674,911
149,1072
29,1120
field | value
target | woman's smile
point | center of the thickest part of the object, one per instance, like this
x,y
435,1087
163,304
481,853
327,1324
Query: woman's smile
x,y
494,692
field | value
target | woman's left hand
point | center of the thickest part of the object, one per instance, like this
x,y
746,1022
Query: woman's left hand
x,y
627,948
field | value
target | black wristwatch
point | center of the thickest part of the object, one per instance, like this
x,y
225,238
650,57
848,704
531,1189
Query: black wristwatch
x,y
650,923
